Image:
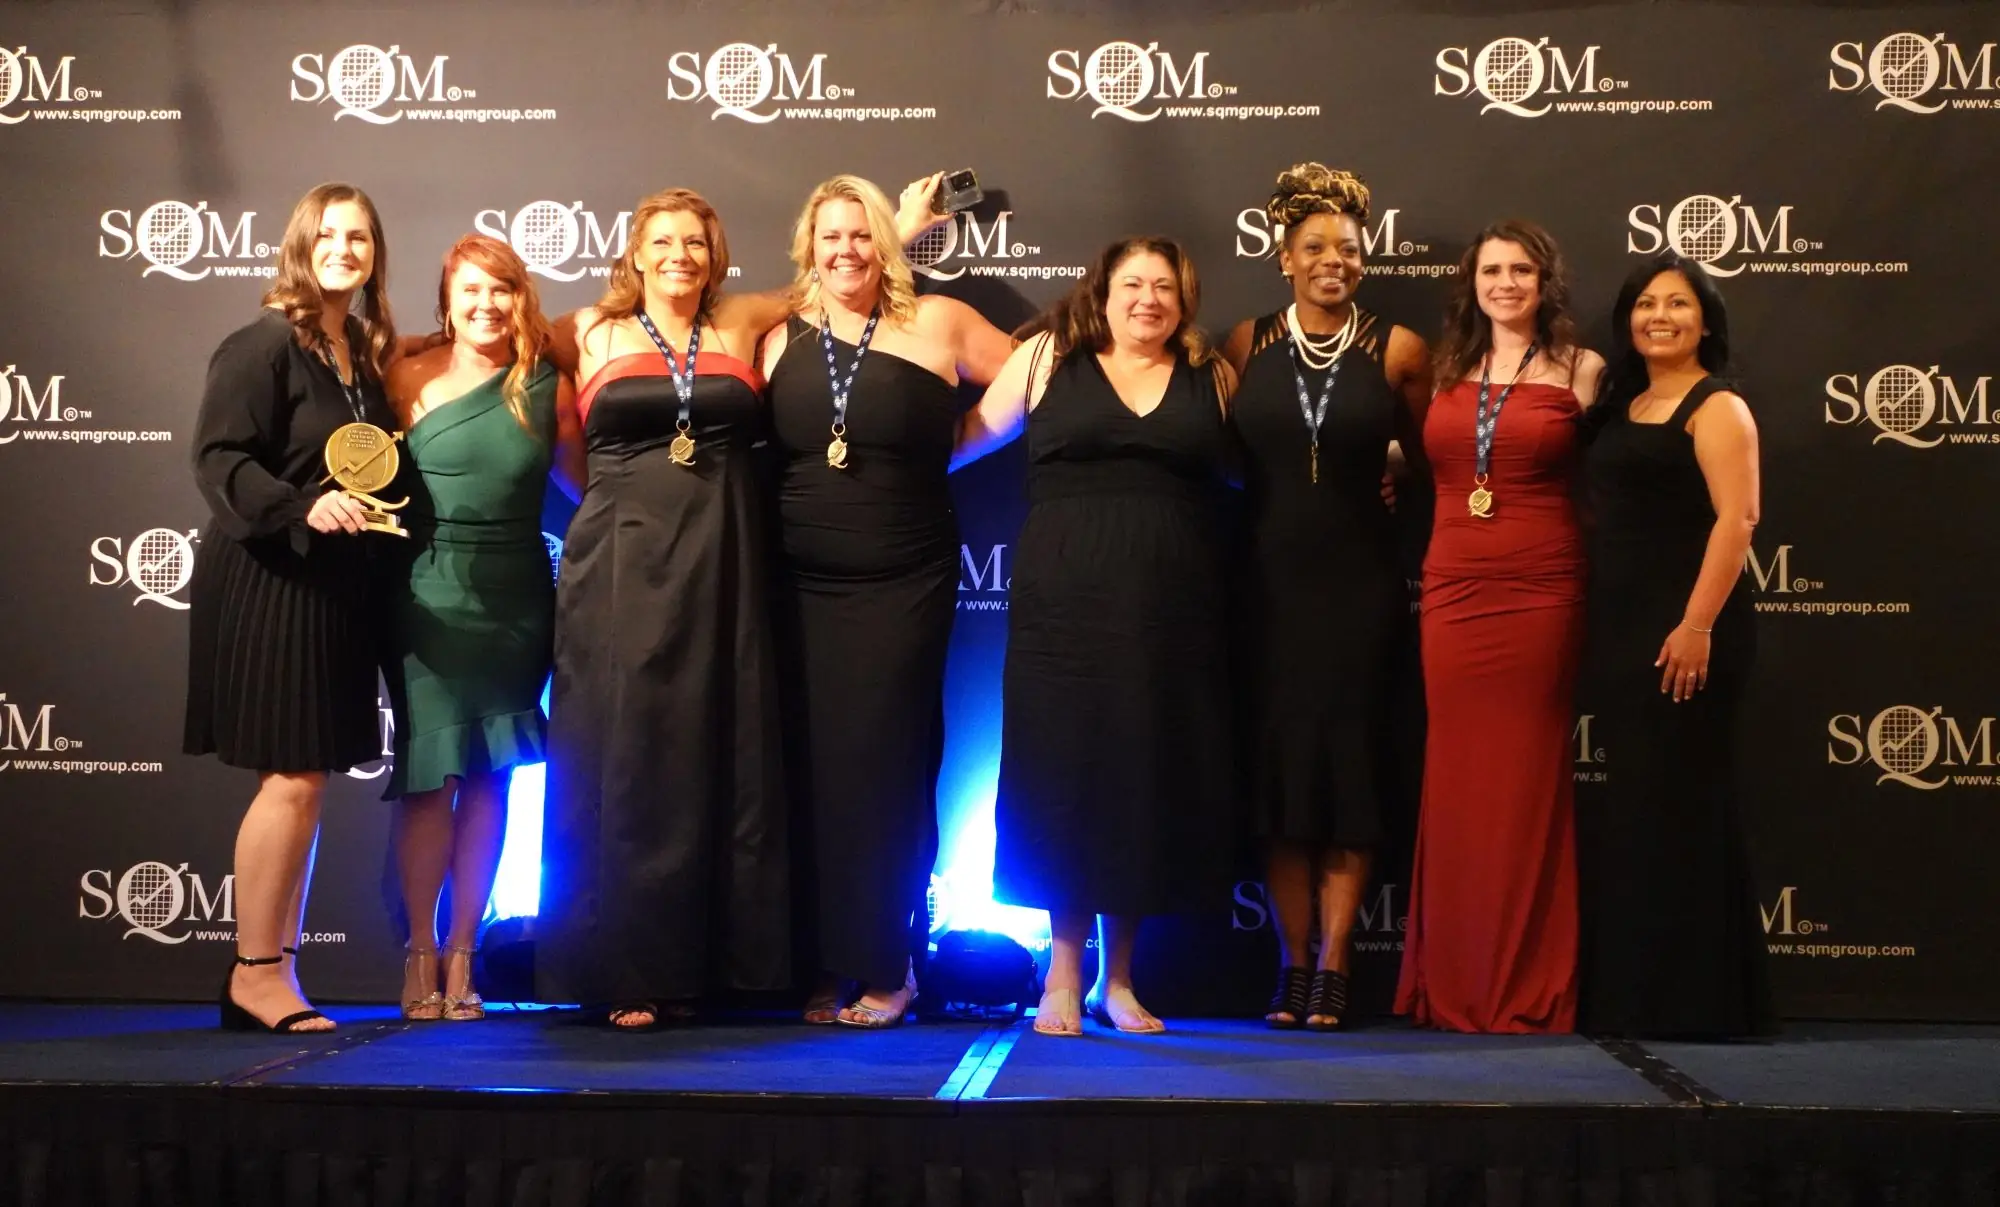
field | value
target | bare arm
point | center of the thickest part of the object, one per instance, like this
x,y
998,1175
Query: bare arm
x,y
1002,412
1725,446
569,465
979,349
1407,362
1236,349
1584,380
563,350
1225,383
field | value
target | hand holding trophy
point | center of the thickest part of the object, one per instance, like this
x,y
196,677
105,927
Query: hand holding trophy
x,y
363,459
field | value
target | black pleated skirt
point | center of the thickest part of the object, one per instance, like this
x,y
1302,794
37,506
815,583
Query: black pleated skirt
x,y
283,655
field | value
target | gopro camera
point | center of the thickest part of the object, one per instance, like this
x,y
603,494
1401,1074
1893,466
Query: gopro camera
x,y
959,191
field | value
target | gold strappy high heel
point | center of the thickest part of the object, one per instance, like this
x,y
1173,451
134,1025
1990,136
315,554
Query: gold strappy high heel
x,y
430,1007
466,1007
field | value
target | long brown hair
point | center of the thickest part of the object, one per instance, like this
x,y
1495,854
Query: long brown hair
x,y
1468,333
296,290
1078,321
531,327
626,293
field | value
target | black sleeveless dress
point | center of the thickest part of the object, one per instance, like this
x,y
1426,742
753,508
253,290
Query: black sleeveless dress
x,y
665,856
1671,942
1323,603
1116,783
871,585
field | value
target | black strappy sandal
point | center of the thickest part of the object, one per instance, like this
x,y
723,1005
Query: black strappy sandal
x,y
1328,998
236,1018
1289,998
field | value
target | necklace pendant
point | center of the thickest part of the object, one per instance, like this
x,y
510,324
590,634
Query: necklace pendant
x,y
836,454
1315,462
1480,503
681,451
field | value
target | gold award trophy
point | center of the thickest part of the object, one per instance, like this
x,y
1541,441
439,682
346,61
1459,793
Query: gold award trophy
x,y
363,459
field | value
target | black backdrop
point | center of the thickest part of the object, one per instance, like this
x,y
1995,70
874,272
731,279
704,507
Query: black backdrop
x,y
1834,165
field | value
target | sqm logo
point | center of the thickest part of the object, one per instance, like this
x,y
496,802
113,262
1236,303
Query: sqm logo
x,y
554,544
152,896
1710,230
363,78
1900,400
1904,741
169,235
739,77
1906,68
158,563
386,722
16,734
1257,238
990,575
1510,72
20,404
23,78
1588,752
965,238
549,234
1122,75
1782,917
1775,576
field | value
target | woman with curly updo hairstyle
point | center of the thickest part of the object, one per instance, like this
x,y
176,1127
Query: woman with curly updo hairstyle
x,y
1492,936
1327,386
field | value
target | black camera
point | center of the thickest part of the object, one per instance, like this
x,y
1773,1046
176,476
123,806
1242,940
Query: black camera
x,y
958,192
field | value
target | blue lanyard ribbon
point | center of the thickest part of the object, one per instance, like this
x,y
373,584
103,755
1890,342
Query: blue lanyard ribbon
x,y
842,389
1484,422
683,382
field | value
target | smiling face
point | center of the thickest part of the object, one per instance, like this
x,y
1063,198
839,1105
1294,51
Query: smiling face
x,y
1142,304
673,256
844,252
482,308
1322,256
343,253
1667,320
1507,282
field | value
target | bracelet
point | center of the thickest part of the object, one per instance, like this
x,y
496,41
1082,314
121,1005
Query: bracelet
x,y
1703,632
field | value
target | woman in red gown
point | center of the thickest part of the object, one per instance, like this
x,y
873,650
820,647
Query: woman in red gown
x,y
1492,933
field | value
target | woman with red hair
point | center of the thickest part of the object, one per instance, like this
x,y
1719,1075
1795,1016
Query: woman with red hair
x,y
487,416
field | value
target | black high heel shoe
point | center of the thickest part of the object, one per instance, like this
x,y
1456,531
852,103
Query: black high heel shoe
x,y
236,1018
1291,997
1328,999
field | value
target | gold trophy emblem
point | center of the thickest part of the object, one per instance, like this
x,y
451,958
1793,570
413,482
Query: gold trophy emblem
x,y
363,459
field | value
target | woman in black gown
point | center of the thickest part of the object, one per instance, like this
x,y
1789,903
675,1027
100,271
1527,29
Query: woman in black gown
x,y
666,863
1326,387
863,397
1116,794
283,647
1671,943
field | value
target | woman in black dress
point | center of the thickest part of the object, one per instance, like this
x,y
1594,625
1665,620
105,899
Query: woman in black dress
x,y
1326,387
863,397
666,862
1671,943
283,650
1116,790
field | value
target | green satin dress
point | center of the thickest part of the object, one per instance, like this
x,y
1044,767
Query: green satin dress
x,y
475,618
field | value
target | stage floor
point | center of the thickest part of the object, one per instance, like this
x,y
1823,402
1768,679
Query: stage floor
x,y
1231,1100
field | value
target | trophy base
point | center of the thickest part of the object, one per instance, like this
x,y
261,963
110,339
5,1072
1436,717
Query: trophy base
x,y
377,522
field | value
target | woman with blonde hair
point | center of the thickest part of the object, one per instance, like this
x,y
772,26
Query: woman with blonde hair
x,y
1116,783
863,397
282,645
487,416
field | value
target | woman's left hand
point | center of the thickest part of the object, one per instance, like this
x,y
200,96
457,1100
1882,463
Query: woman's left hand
x,y
915,209
1685,657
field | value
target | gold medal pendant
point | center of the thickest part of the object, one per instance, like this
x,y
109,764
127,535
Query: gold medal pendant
x,y
681,451
836,452
1480,502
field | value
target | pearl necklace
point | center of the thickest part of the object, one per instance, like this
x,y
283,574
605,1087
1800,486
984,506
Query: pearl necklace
x,y
1322,351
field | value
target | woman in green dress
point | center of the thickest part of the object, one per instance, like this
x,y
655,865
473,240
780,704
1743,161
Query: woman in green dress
x,y
487,417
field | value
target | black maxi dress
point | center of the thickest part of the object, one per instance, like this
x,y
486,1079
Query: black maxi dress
x,y
867,599
1671,942
1116,783
284,645
665,858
